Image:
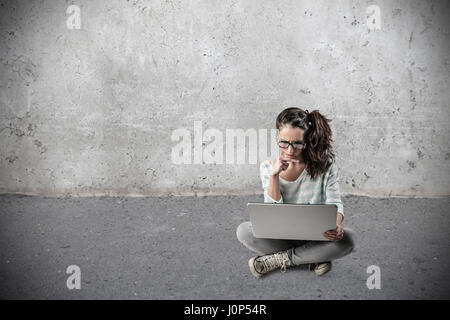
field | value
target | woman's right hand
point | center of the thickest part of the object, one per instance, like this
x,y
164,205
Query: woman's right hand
x,y
280,165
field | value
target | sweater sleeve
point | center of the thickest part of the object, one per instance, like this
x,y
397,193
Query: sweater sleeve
x,y
264,171
333,195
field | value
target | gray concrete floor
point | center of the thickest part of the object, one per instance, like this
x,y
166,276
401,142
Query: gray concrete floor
x,y
186,248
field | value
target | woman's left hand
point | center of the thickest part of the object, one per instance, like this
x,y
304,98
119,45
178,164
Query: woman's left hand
x,y
334,234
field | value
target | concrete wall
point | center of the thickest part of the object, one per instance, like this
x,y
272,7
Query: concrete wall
x,y
92,110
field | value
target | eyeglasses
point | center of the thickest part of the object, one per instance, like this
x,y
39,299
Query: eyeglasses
x,y
296,145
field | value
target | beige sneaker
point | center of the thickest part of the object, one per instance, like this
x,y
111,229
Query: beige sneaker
x,y
320,268
261,265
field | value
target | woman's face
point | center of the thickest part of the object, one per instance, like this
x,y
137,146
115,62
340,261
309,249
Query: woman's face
x,y
292,135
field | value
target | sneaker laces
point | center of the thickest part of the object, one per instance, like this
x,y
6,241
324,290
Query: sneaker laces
x,y
313,266
273,261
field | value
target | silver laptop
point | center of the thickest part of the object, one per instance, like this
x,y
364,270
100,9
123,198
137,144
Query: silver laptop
x,y
292,221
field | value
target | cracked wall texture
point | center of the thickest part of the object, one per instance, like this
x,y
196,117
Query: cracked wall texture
x,y
92,111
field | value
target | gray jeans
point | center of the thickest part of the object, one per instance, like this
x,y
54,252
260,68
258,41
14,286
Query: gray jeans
x,y
300,251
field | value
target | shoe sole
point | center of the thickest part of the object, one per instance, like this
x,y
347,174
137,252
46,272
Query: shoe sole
x,y
323,269
251,265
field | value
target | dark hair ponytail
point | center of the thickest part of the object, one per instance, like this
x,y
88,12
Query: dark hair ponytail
x,y
318,152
